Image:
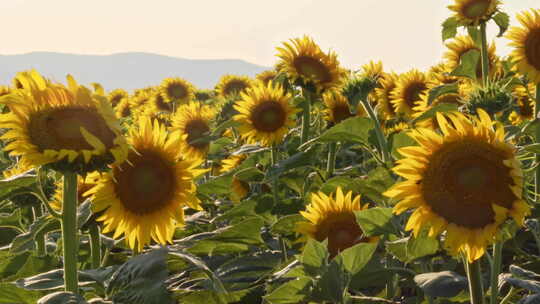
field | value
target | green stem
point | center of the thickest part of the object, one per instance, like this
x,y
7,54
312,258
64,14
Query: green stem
x,y
495,270
69,231
484,53
475,282
273,162
508,295
537,135
306,118
331,164
41,195
383,145
40,239
95,246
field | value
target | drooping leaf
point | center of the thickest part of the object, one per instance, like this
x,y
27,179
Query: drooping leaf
x,y
449,28
444,284
62,297
376,221
449,88
468,65
503,21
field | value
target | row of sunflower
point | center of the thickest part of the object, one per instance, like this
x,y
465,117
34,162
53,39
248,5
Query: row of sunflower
x,y
298,186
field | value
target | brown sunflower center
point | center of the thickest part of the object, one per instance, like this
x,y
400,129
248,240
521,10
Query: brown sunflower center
x,y
147,185
197,129
312,68
448,98
476,8
268,116
341,112
464,179
160,103
116,99
525,107
412,92
341,230
60,128
532,48
234,87
126,111
177,91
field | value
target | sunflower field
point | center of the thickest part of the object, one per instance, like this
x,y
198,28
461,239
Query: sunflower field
x,y
309,183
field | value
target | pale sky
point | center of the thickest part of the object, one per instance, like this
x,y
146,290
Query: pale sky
x,y
402,33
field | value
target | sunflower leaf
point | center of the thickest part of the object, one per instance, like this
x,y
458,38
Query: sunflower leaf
x,y
292,292
400,140
445,284
354,129
449,28
286,225
440,108
61,297
442,90
16,184
503,22
468,65
9,293
314,257
356,257
376,221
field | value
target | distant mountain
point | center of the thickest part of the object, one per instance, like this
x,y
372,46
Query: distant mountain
x,y
124,70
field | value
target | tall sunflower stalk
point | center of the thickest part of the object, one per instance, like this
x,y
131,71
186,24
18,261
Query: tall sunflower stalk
x,y
69,231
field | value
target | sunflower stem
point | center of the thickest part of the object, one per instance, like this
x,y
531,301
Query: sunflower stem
x,y
383,145
537,135
484,53
40,239
475,281
331,164
69,231
273,162
495,270
41,194
95,246
306,117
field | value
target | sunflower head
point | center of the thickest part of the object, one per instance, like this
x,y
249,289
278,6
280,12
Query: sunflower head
x,y
308,66
266,76
332,217
465,181
408,91
159,104
68,129
383,95
472,12
204,95
373,70
144,198
526,43
232,162
336,107
177,90
492,98
265,114
4,90
116,96
524,104
123,109
231,86
192,122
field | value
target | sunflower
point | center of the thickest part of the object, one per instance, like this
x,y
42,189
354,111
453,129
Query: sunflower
x,y
83,185
231,86
144,197
123,109
396,127
67,128
142,98
332,218
408,91
266,76
192,122
383,95
204,95
337,107
158,103
424,106
304,62
525,105
240,189
4,90
461,45
116,96
232,162
440,74
265,114
373,70
526,43
472,12
177,90
466,181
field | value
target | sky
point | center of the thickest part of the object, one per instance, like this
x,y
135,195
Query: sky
x,y
403,34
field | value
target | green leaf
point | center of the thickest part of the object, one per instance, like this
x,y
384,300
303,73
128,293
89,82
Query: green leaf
x,y
286,225
474,32
246,149
533,148
220,185
54,279
356,257
449,88
449,28
468,65
236,238
346,183
292,292
411,248
41,226
141,280
376,221
10,264
503,21
11,220
300,159
400,140
440,108
524,273
355,129
9,293
251,174
62,297
217,285
445,284
314,257
16,184
333,284
258,206
378,181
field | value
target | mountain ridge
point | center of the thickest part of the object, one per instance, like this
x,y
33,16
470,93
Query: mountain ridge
x,y
127,70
